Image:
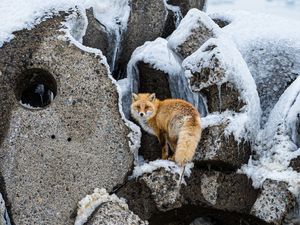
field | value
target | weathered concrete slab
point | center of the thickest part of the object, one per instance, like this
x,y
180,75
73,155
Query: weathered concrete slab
x,y
193,31
204,189
179,9
139,198
165,189
112,213
54,155
274,202
146,23
96,36
217,150
230,192
102,208
186,5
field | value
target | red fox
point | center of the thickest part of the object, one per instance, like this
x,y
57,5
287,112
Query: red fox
x,y
175,122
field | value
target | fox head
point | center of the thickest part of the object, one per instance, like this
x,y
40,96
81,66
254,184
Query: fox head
x,y
143,106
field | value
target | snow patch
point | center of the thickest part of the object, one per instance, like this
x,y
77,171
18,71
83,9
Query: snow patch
x,y
88,204
170,166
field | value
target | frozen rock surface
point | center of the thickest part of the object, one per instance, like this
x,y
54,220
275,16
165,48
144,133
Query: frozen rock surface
x,y
278,143
53,155
295,164
186,5
218,73
220,151
139,198
270,46
158,56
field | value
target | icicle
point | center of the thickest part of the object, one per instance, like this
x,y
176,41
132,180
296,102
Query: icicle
x,y
176,10
115,47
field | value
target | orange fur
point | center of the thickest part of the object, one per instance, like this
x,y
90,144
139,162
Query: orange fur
x,y
175,122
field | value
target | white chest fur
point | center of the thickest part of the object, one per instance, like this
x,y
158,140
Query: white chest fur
x,y
144,125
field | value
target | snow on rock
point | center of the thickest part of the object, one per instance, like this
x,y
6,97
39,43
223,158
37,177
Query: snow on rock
x,y
160,57
100,198
194,29
164,179
166,164
157,54
278,143
19,15
270,46
218,62
89,203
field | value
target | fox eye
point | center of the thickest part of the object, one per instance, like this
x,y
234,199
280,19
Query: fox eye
x,y
138,107
147,107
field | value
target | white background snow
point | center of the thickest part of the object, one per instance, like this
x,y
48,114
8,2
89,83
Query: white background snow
x,y
284,8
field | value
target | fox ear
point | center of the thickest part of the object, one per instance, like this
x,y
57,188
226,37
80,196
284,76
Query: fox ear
x,y
152,97
135,97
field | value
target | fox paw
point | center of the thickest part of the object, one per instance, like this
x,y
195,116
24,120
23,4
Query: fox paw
x,y
172,158
182,159
181,162
165,156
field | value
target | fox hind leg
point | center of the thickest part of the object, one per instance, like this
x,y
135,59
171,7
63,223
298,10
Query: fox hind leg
x,y
165,147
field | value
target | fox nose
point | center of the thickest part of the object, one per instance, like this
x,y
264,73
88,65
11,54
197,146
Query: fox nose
x,y
142,114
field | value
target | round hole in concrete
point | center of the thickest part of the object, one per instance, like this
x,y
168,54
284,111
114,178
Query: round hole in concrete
x,y
36,88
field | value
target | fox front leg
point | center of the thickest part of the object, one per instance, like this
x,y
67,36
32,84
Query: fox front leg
x,y
164,144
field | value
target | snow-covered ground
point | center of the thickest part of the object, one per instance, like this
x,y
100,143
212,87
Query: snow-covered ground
x,y
284,8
